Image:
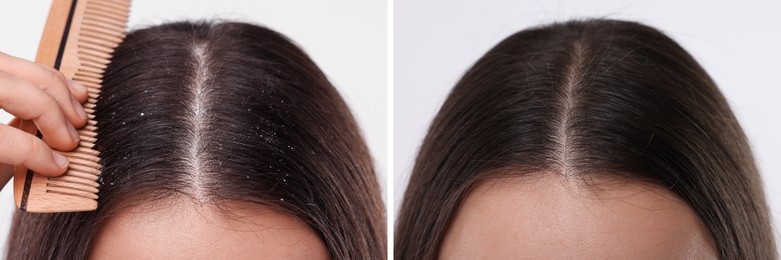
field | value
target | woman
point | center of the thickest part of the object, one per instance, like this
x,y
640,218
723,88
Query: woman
x,y
587,139
217,140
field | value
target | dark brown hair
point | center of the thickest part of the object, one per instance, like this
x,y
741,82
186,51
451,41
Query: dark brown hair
x,y
217,112
589,97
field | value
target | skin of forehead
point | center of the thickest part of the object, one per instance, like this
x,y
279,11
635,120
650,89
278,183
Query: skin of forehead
x,y
550,216
183,229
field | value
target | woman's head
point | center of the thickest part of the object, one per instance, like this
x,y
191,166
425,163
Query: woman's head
x,y
222,123
558,128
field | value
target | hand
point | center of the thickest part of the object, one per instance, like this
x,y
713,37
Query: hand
x,y
31,91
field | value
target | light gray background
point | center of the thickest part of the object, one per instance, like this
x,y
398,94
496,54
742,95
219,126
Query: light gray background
x,y
346,38
738,43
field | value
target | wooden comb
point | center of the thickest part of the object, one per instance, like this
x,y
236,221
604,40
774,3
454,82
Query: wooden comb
x,y
78,40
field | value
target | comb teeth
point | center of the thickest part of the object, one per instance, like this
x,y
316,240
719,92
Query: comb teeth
x,y
100,30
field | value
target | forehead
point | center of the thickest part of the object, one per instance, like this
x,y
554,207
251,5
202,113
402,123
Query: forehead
x,y
185,230
552,216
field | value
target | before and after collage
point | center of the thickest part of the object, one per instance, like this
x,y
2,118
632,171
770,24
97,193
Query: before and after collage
x,y
390,129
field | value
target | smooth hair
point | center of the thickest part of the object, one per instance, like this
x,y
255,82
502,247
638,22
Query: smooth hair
x,y
221,112
583,98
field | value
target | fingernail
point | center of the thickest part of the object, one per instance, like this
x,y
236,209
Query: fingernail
x,y
59,159
79,109
73,132
77,86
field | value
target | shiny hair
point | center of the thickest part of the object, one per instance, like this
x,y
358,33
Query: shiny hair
x,y
218,112
581,98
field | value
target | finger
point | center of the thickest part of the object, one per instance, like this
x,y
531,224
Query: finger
x,y
77,89
38,73
51,81
34,72
26,101
31,152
